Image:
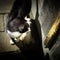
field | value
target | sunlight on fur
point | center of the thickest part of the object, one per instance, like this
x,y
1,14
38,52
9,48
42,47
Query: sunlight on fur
x,y
28,21
19,36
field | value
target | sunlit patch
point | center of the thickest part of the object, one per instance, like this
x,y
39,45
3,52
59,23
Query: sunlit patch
x,y
29,29
29,22
17,36
23,36
13,34
53,30
11,42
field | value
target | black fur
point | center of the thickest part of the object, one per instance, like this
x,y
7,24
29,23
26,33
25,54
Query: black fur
x,y
20,9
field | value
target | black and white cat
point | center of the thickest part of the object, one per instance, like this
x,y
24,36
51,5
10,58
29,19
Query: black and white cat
x,y
17,22
15,34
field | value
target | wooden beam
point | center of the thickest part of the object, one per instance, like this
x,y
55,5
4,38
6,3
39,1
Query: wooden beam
x,y
52,32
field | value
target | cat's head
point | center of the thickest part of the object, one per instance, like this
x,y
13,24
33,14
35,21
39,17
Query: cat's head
x,y
18,24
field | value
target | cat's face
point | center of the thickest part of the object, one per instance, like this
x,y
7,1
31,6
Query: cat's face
x,y
18,25
18,28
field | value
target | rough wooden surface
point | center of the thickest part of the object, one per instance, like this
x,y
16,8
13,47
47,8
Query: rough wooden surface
x,y
52,32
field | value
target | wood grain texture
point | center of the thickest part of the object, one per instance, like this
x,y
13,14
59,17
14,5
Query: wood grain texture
x,y
53,30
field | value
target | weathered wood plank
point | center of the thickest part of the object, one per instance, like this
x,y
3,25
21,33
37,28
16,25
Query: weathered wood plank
x,y
52,32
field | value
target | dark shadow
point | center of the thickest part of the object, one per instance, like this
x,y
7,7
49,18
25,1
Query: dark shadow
x,y
32,50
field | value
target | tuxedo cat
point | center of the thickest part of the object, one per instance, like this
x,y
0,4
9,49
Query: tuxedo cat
x,y
21,33
18,28
16,21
